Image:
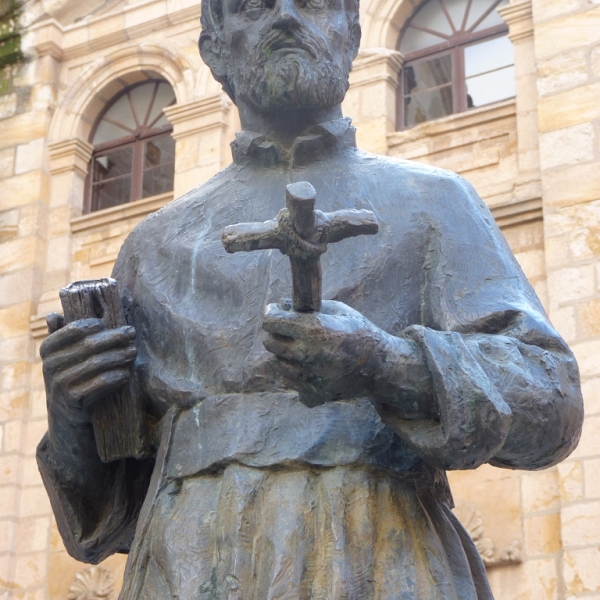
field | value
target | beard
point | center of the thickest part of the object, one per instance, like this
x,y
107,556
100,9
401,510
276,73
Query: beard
x,y
302,75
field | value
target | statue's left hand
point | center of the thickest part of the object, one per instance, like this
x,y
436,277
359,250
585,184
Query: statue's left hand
x,y
328,355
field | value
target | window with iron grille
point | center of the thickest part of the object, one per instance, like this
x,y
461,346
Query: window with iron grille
x,y
457,56
134,151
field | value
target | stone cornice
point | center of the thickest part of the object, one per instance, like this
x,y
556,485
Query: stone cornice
x,y
70,155
47,39
38,327
453,123
66,41
200,115
518,213
519,18
139,208
373,65
372,56
199,108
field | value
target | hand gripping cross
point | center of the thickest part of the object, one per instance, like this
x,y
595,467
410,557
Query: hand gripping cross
x,y
301,233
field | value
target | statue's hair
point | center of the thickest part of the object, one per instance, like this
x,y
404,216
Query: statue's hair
x,y
211,20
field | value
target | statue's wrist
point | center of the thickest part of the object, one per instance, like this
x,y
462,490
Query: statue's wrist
x,y
402,380
70,435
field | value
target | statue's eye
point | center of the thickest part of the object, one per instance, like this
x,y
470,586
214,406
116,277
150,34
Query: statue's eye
x,y
318,4
251,5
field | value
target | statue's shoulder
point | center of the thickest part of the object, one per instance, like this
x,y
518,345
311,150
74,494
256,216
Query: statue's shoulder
x,y
394,168
159,231
406,177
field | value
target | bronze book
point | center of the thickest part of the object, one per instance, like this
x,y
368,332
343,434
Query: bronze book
x,y
119,420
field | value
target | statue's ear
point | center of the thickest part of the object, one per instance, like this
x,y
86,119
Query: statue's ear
x,y
215,55
211,51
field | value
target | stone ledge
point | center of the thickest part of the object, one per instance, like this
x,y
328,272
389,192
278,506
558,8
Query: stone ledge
x,y
70,155
452,123
53,38
519,18
198,116
139,208
374,65
38,327
518,213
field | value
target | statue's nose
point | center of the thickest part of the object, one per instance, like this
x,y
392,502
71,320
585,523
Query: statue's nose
x,y
287,16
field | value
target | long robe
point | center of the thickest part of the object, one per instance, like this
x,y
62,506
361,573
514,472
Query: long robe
x,y
254,496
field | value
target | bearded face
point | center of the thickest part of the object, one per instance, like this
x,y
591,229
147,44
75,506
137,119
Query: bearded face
x,y
277,54
291,69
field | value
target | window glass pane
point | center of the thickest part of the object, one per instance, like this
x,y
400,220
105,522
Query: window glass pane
x,y
107,131
164,97
111,193
427,74
120,112
159,151
158,180
456,9
432,16
414,40
427,105
140,98
478,8
159,166
492,20
111,178
107,165
162,122
491,87
488,56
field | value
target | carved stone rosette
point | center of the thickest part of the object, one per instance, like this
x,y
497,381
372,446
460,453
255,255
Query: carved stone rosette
x,y
472,521
92,583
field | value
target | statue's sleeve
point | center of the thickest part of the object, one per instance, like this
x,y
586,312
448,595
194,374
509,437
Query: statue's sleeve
x,y
505,385
96,504
96,512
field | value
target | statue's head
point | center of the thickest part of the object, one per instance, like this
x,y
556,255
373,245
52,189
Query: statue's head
x,y
275,54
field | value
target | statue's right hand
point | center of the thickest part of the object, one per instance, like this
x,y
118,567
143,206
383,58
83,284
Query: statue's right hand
x,y
83,362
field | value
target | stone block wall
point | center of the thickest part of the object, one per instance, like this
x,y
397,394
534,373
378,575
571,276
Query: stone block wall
x,y
567,52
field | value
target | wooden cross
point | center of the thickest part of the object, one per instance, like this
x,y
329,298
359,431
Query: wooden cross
x,y
301,233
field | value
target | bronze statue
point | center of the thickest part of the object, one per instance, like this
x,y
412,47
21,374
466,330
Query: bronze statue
x,y
301,454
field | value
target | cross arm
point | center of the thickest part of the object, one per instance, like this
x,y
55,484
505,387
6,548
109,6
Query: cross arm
x,y
244,237
350,223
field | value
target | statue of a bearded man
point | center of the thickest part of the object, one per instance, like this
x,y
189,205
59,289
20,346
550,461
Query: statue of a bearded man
x,y
430,352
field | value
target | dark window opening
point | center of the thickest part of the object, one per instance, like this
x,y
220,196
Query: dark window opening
x,y
134,151
457,56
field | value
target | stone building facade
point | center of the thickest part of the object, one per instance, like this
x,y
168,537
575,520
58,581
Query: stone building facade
x,y
534,159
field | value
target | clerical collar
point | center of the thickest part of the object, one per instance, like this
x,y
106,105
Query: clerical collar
x,y
316,142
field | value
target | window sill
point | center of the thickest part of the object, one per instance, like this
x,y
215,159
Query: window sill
x,y
139,208
453,123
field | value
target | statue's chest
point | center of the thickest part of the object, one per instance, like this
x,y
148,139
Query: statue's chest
x,y
371,274
211,304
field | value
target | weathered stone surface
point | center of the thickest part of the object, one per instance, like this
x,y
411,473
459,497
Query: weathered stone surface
x,y
572,31
562,72
581,570
580,524
567,146
570,481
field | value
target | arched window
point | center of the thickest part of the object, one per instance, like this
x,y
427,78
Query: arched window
x,y
134,152
456,56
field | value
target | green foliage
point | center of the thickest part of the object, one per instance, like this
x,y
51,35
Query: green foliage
x,y
10,42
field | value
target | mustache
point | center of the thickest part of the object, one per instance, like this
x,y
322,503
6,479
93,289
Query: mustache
x,y
276,39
